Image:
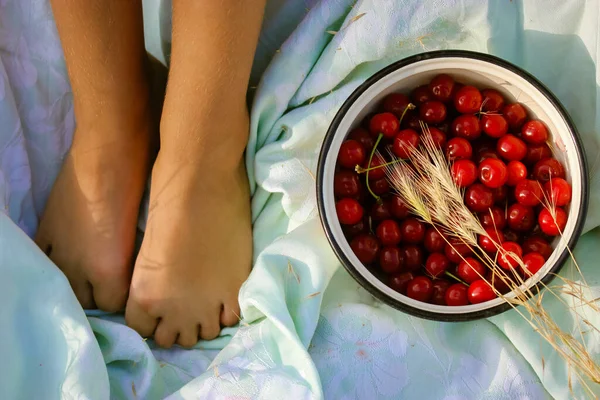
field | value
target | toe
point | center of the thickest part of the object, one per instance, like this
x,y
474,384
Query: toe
x,y
83,292
230,314
165,334
188,337
210,329
138,320
111,296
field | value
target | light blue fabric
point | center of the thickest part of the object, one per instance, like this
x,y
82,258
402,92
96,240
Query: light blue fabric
x,y
309,330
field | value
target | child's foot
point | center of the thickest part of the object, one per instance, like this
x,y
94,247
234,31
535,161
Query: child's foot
x,y
196,253
88,227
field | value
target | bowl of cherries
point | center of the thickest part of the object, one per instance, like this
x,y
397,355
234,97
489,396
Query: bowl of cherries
x,y
510,148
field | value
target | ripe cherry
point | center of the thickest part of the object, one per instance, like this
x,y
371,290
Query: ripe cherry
x,y
500,195
509,255
362,136
458,148
480,291
346,184
521,218
376,173
511,148
420,288
351,154
464,172
365,247
517,171
511,236
349,211
395,103
479,197
547,169
534,132
421,95
470,270
529,192
515,115
456,295
493,218
384,123
494,125
388,232
441,87
433,241
437,137
558,192
380,186
400,281
491,240
391,259
493,173
412,230
356,229
411,120
405,142
492,100
432,112
413,257
537,244
467,100
532,263
456,250
440,286
436,264
552,223
381,211
466,126
398,208
537,152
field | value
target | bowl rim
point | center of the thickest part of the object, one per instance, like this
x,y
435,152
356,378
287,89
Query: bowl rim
x,y
340,115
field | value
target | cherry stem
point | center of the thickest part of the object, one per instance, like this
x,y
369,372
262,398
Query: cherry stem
x,y
455,277
379,137
361,170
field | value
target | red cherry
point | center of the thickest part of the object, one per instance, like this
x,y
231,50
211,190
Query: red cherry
x,y
466,126
470,270
480,291
456,295
517,171
511,236
533,262
467,100
529,193
511,148
399,282
421,95
440,286
363,137
395,103
376,173
441,87
494,125
381,211
436,264
458,148
411,120
509,255
493,218
391,260
558,192
365,247
398,208
515,115
349,211
464,172
534,132
351,154
479,197
388,232
420,288
493,173
537,152
384,123
405,142
552,223
547,169
500,194
492,100
346,184
413,257
380,186
356,229
521,218
412,230
456,250
491,240
432,112
536,244
434,242
437,137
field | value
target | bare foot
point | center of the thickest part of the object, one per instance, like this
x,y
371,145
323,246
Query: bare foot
x,y
196,253
88,227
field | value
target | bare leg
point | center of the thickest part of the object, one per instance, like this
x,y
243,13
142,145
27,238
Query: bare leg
x,y
88,227
198,246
